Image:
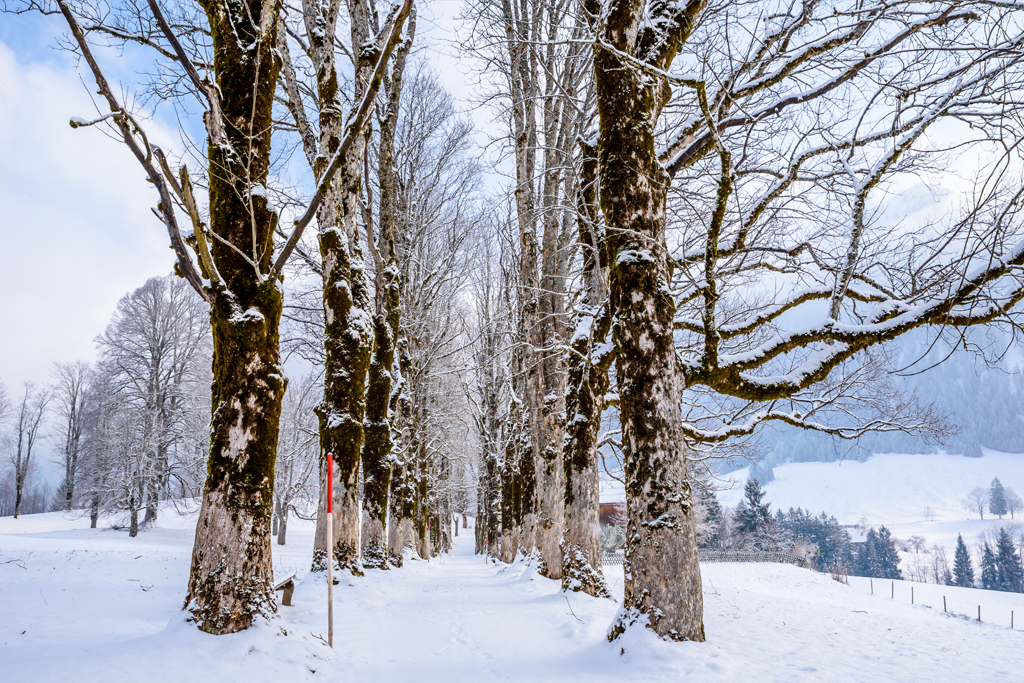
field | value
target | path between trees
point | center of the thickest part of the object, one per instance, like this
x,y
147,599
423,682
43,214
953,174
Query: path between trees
x,y
102,607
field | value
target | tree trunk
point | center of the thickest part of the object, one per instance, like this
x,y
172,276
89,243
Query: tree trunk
x,y
133,526
588,384
94,512
282,533
155,483
511,500
276,521
231,578
19,485
403,506
422,520
663,584
347,308
232,574
377,448
403,509
488,533
377,456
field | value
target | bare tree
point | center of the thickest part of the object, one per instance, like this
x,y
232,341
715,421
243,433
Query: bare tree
x,y
977,500
5,401
1014,503
29,418
298,462
535,49
154,350
70,393
384,381
238,269
488,393
315,107
751,202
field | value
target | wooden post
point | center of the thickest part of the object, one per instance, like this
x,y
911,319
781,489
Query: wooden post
x,y
943,603
911,595
893,595
979,613
872,586
1011,620
330,549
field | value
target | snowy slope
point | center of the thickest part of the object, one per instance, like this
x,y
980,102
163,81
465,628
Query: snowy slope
x,y
910,494
97,606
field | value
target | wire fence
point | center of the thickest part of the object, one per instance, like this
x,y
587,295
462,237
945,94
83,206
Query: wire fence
x,y
616,558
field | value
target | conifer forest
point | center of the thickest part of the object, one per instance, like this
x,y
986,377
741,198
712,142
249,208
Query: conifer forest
x,y
482,319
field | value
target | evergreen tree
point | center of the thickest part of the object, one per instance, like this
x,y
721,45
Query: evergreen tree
x,y
754,521
709,533
989,572
963,572
831,539
888,558
1009,573
752,515
997,498
867,556
878,558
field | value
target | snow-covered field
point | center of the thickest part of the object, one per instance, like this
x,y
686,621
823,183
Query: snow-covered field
x,y
95,605
911,494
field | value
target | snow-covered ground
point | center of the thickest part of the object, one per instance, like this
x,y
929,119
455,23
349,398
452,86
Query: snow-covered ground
x,y
911,494
95,605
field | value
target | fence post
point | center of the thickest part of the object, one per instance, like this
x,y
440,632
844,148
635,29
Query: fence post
x,y
872,586
979,614
943,603
893,595
911,595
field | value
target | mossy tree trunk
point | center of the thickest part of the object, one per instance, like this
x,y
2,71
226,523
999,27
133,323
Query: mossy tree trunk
x,y
663,584
403,493
516,446
422,497
231,578
377,456
589,359
348,341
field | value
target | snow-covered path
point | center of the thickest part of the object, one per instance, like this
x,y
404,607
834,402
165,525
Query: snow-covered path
x,y
464,620
94,605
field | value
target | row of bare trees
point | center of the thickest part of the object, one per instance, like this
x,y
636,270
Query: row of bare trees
x,y
703,236
710,192
123,431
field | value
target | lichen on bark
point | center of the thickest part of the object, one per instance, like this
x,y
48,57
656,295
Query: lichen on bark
x,y
663,584
231,575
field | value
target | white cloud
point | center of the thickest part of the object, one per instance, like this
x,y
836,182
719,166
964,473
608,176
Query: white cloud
x,y
76,231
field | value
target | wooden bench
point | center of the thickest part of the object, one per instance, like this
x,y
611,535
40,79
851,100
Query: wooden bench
x,y
288,586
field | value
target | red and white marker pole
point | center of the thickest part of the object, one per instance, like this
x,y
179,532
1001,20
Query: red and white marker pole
x,y
330,549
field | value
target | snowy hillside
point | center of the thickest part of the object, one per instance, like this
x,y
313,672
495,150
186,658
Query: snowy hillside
x,y
910,494
99,606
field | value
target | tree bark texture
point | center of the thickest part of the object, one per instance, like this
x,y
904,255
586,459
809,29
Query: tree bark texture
x,y
377,450
663,583
347,301
511,483
589,358
231,578
401,530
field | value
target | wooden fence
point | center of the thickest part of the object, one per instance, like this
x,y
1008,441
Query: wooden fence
x,y
615,558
